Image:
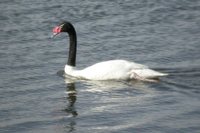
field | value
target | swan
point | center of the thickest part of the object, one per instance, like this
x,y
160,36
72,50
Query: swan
x,y
106,70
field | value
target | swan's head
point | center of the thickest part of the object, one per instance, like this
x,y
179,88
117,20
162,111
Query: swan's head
x,y
63,27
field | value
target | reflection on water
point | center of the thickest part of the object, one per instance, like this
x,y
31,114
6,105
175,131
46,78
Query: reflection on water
x,y
71,91
106,86
70,112
110,98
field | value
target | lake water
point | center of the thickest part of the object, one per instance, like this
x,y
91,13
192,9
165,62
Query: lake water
x,y
35,98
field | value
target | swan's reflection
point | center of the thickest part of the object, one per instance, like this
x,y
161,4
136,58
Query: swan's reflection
x,y
107,86
117,94
123,92
71,92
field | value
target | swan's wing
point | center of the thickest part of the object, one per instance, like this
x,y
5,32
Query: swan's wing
x,y
117,65
113,69
137,66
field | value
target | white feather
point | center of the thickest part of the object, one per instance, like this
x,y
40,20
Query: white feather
x,y
114,70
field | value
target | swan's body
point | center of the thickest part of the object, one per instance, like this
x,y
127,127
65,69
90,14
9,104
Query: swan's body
x,y
113,70
107,70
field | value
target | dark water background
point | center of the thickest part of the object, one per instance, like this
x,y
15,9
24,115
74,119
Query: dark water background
x,y
35,98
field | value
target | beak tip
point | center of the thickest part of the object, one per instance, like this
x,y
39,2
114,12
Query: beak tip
x,y
54,34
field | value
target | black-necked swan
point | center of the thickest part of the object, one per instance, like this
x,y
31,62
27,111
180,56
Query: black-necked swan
x,y
107,70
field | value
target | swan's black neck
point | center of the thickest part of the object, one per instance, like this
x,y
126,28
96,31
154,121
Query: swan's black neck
x,y
72,48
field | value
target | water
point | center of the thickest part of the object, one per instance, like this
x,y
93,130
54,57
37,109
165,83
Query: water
x,y
164,35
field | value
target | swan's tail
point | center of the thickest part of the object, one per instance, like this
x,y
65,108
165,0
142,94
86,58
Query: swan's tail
x,y
146,74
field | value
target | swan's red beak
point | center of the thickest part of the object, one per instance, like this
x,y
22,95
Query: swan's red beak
x,y
56,30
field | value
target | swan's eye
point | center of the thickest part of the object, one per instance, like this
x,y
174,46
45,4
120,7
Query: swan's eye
x,y
56,30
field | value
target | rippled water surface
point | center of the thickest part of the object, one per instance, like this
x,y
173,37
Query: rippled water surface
x,y
35,98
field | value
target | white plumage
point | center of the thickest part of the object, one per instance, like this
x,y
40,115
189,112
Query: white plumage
x,y
114,70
